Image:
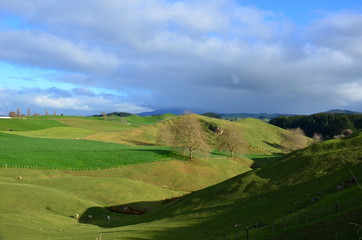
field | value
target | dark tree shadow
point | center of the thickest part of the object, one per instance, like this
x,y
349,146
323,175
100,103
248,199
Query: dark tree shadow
x,y
122,215
163,153
274,145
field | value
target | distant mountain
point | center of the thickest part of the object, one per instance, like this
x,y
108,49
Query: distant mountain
x,y
339,111
261,116
176,111
237,116
226,116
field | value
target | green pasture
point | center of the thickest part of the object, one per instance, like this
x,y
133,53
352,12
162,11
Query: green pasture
x,y
135,119
57,132
23,151
27,124
217,196
95,125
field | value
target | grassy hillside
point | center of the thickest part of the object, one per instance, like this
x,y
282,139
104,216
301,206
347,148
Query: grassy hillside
x,y
43,202
27,124
224,192
261,138
266,195
79,154
135,119
57,132
95,125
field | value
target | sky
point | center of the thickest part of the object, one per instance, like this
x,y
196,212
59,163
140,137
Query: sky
x,y
89,56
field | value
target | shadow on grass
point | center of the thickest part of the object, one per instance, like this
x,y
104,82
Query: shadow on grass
x,y
205,215
123,215
274,145
163,153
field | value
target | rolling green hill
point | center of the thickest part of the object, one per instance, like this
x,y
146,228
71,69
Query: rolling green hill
x,y
23,151
135,119
27,124
261,138
218,192
267,194
44,201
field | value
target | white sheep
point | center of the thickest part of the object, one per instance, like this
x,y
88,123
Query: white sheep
x,y
76,216
90,217
109,218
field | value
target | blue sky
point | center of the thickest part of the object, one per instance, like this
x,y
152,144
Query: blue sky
x,y
90,56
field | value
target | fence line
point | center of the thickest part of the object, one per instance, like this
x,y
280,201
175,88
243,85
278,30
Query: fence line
x,y
67,169
307,217
262,231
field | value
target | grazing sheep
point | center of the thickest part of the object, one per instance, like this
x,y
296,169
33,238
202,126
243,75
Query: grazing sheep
x,y
20,178
90,217
76,216
340,186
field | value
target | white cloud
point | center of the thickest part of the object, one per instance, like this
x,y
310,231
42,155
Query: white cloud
x,y
40,99
187,53
40,49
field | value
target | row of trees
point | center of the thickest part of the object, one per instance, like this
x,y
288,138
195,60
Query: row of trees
x,y
188,133
325,124
19,114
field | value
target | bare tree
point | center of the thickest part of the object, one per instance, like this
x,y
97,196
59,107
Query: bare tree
x,y
231,139
317,138
55,113
187,133
165,136
12,114
29,112
46,112
344,133
123,120
18,114
294,139
104,116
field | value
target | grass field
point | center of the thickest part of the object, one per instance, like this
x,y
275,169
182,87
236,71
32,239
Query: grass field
x,y
261,138
27,124
57,132
216,192
75,154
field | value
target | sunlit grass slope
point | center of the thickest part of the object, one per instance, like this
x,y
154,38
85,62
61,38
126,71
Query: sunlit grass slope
x,y
95,125
260,137
57,132
41,205
135,119
27,124
44,200
143,135
268,193
80,154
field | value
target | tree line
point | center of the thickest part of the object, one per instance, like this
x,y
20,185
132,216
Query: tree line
x,y
325,124
18,113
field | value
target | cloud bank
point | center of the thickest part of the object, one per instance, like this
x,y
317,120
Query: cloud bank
x,y
211,55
